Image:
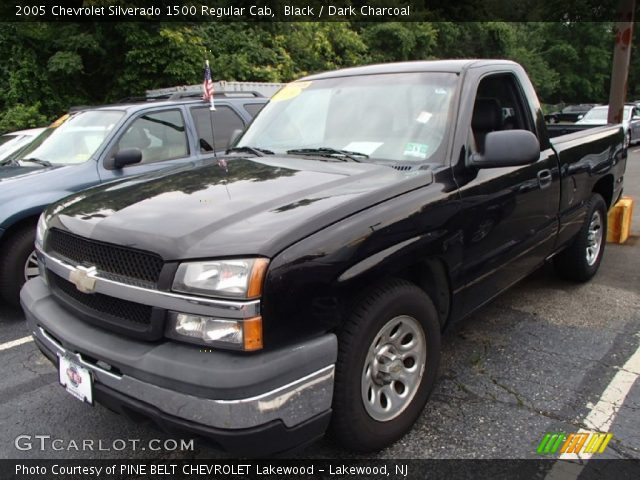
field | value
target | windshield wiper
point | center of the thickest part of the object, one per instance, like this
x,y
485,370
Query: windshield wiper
x,y
329,152
44,163
258,152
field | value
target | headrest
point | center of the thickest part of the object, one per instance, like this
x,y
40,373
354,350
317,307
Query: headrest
x,y
487,115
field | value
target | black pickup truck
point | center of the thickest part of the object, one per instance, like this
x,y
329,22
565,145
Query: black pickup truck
x,y
302,282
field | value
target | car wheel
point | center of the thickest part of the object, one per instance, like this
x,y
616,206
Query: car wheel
x,y
580,260
17,263
389,351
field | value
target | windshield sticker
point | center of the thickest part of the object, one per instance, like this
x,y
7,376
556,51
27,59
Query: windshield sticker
x,y
60,121
417,150
290,91
441,91
424,117
363,147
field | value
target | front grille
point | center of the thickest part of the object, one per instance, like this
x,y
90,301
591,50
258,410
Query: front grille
x,y
129,315
122,264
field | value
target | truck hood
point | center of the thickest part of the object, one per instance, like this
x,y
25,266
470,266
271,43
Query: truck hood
x,y
235,206
14,172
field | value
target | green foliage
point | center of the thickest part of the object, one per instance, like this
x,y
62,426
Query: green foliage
x,y
48,67
20,117
397,41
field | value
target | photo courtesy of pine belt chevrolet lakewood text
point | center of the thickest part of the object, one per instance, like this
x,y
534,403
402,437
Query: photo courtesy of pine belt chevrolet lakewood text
x,y
300,283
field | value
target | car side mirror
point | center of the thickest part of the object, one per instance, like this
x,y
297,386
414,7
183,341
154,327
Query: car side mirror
x,y
127,156
235,135
580,117
507,148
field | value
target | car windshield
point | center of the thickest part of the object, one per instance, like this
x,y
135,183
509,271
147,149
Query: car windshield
x,y
389,117
13,145
73,141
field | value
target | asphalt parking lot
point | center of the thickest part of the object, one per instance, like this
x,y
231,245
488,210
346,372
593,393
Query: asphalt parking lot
x,y
547,356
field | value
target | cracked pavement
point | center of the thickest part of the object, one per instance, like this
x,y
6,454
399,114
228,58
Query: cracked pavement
x,y
534,360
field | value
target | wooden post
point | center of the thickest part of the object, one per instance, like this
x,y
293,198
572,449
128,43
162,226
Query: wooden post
x,y
621,58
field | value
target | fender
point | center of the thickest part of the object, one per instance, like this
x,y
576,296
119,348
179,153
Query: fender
x,y
311,286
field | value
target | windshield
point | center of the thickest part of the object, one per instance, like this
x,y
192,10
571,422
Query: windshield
x,y
396,117
14,143
601,114
75,140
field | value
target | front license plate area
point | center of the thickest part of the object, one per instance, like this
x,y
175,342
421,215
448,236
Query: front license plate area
x,y
76,379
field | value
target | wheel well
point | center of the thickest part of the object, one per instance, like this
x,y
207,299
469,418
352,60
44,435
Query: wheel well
x,y
432,277
32,220
604,187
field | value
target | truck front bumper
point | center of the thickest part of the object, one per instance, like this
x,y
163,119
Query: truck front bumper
x,y
257,404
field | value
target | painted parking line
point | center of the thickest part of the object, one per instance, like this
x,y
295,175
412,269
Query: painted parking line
x,y
15,343
602,415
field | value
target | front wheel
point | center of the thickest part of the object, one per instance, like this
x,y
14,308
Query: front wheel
x,y
389,351
580,261
18,263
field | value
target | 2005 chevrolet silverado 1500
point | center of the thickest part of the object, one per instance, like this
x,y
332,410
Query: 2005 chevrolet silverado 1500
x,y
302,282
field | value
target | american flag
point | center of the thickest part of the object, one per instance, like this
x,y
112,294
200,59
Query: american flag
x,y
207,85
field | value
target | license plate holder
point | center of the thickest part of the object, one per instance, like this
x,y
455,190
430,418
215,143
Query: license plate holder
x,y
76,379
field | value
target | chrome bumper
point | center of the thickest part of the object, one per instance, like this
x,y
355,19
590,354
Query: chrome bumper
x,y
292,403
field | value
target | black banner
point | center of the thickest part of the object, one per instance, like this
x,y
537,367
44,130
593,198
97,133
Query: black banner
x,y
308,10
318,469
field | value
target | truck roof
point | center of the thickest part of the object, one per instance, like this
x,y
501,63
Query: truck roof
x,y
453,66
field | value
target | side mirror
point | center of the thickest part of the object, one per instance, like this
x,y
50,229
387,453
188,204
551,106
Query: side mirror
x,y
508,148
127,156
580,117
235,135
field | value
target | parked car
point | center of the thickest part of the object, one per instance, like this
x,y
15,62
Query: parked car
x,y
10,143
302,282
570,113
630,121
98,145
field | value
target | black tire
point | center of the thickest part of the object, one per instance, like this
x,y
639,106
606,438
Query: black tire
x,y
351,425
572,263
15,252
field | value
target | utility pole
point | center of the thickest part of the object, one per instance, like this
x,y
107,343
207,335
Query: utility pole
x,y
621,59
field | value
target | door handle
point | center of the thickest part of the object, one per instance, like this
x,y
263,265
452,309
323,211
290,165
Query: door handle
x,y
544,178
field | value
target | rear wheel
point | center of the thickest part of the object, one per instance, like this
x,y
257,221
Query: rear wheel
x,y
17,263
581,260
388,358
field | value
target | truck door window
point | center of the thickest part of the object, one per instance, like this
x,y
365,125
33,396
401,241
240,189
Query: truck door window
x,y
498,106
225,121
159,135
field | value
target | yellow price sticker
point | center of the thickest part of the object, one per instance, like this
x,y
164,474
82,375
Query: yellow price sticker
x,y
290,91
60,121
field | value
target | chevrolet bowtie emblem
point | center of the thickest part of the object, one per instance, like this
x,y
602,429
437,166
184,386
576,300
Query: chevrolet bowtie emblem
x,y
84,279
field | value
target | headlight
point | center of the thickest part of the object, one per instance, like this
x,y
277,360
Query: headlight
x,y
237,278
41,230
237,334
